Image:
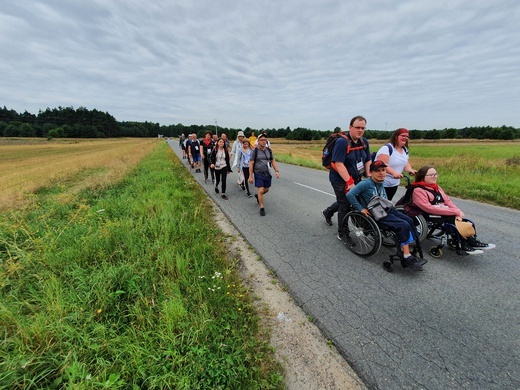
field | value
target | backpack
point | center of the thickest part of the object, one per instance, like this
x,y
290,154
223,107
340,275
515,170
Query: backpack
x,y
406,200
193,144
390,150
255,153
326,154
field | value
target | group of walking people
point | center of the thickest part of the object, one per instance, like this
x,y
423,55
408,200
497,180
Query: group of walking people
x,y
252,158
356,176
352,161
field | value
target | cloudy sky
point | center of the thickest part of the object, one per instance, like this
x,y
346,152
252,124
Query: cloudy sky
x,y
420,64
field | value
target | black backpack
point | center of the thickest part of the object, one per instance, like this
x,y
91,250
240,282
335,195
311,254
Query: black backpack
x,y
326,154
406,200
255,154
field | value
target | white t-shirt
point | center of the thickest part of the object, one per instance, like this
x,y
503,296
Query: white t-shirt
x,y
397,161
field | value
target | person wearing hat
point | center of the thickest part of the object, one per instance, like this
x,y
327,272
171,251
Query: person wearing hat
x,y
263,134
401,224
235,154
259,168
395,155
431,199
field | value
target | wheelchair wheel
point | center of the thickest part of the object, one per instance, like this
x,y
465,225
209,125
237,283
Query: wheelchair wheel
x,y
421,225
452,243
435,252
362,234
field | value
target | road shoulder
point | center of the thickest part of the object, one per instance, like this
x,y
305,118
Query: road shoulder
x,y
308,359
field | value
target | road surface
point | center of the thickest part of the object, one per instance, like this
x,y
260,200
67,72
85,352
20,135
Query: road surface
x,y
456,325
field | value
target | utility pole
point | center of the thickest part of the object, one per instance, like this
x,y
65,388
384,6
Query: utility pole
x,y
216,128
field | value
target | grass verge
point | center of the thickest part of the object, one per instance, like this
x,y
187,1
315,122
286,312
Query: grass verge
x,y
127,287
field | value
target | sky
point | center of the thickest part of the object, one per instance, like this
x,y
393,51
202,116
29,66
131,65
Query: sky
x,y
267,63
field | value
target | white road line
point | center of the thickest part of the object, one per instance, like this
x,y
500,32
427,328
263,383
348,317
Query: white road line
x,y
315,189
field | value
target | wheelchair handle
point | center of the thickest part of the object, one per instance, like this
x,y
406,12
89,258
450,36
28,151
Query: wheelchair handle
x,y
408,179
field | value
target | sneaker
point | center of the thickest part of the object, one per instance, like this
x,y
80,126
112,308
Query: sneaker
x,y
262,212
412,263
216,190
249,195
342,238
473,242
328,220
469,250
224,196
243,187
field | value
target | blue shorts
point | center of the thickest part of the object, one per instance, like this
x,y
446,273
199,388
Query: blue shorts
x,y
196,157
262,181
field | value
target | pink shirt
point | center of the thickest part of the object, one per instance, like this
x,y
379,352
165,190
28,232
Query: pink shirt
x,y
422,198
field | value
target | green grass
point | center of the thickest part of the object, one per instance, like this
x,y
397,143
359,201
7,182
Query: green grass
x,y
131,287
485,172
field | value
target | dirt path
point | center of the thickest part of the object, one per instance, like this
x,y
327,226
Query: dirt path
x,y
309,361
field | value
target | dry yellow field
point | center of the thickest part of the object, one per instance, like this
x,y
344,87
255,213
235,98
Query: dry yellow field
x,y
27,165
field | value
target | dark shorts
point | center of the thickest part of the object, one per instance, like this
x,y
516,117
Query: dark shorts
x,y
262,181
196,157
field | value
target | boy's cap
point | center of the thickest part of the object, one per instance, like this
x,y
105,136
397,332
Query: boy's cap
x,y
376,165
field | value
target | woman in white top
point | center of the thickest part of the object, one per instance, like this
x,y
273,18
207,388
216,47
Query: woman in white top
x,y
235,155
395,155
220,163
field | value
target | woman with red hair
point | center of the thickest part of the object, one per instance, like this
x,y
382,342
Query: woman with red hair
x,y
395,155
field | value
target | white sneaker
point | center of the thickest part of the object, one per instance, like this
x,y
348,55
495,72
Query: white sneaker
x,y
469,249
484,247
472,251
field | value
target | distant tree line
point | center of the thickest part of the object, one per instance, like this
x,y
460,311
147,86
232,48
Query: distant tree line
x,y
68,122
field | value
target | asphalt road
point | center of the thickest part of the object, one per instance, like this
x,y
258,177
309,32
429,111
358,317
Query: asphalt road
x,y
456,325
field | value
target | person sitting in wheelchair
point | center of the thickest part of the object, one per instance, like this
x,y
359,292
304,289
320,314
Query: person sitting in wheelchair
x,y
402,225
429,197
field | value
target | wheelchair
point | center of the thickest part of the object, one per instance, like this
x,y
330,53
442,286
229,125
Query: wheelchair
x,y
364,236
431,226
446,233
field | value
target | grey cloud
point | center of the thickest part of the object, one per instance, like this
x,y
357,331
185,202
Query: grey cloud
x,y
266,64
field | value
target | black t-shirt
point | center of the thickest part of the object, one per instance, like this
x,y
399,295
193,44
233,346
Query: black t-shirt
x,y
194,146
207,146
